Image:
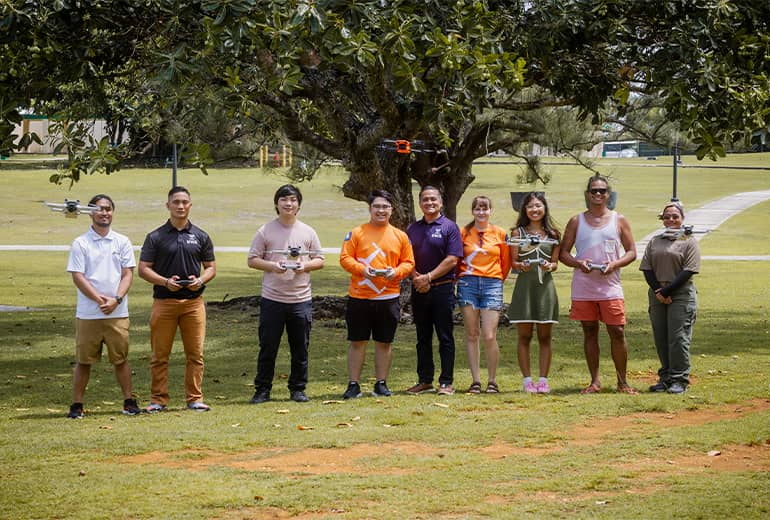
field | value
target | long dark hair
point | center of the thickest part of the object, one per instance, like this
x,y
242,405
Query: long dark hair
x,y
548,224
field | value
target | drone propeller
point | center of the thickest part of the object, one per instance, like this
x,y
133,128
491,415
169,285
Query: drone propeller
x,y
294,252
531,240
677,234
70,208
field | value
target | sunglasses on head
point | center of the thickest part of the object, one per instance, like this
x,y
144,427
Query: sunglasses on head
x,y
598,191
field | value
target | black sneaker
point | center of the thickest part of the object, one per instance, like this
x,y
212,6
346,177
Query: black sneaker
x,y
353,391
76,411
130,407
660,386
298,396
381,389
260,396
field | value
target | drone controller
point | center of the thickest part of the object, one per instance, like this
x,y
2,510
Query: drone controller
x,y
292,254
539,261
184,282
597,267
380,272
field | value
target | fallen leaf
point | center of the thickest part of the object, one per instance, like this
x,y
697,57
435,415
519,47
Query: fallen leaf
x,y
235,425
333,401
602,502
82,473
53,410
220,397
105,427
344,425
110,403
282,410
303,428
387,426
21,377
441,405
714,453
22,409
356,418
257,497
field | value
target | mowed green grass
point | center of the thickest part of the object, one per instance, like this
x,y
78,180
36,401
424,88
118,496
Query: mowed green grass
x,y
502,456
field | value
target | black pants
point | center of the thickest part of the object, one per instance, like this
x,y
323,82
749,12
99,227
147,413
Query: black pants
x,y
296,318
434,310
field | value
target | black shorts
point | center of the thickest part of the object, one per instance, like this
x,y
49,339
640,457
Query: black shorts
x,y
375,319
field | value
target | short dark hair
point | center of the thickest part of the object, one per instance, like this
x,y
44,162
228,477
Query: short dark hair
x,y
285,191
381,194
178,189
428,187
101,196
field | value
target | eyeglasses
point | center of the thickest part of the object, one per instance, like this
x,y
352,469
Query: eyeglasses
x,y
381,207
598,191
104,209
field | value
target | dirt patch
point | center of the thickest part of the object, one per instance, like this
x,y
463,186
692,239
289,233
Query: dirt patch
x,y
597,431
310,461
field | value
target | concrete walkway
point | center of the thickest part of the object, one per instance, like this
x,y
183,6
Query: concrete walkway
x,y
709,217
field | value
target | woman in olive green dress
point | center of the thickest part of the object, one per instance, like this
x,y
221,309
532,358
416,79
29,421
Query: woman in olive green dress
x,y
535,305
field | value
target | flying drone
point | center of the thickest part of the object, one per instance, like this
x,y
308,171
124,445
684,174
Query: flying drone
x,y
71,208
531,240
406,147
681,233
292,254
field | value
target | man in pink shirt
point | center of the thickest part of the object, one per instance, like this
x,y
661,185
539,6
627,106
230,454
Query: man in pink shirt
x,y
597,235
286,298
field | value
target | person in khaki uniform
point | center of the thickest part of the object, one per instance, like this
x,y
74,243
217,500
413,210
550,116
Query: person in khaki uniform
x,y
669,263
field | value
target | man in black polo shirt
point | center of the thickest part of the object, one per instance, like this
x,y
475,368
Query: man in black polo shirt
x,y
178,259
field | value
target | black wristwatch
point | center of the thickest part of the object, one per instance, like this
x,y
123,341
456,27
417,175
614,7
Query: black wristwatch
x,y
119,299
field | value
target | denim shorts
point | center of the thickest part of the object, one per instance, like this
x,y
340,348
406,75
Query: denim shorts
x,y
480,292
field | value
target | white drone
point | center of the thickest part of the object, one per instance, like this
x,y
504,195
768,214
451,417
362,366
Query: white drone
x,y
681,233
292,254
71,208
531,240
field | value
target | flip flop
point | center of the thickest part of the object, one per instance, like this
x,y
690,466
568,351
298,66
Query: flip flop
x,y
628,390
591,389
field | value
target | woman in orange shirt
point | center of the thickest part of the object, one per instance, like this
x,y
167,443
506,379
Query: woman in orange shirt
x,y
485,265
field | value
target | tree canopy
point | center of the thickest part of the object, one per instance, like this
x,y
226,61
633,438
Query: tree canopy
x,y
464,77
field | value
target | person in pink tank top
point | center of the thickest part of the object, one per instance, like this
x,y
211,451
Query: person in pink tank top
x,y
603,244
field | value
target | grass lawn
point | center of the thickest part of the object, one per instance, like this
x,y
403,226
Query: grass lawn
x,y
701,455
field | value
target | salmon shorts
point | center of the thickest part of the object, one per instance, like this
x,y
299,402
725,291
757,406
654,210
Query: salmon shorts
x,y
611,312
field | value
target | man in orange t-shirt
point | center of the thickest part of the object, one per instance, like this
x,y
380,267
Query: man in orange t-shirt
x,y
378,256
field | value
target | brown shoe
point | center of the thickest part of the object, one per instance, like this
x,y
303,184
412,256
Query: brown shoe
x,y
420,388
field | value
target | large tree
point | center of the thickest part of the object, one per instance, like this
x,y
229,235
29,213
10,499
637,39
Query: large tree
x,y
465,77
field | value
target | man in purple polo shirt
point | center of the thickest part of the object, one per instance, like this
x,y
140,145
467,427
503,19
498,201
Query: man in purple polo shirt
x,y
437,247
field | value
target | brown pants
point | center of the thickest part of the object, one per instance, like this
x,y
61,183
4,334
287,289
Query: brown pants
x,y
190,317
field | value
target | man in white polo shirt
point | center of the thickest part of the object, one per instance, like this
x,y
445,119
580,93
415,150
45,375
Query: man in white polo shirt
x,y
101,262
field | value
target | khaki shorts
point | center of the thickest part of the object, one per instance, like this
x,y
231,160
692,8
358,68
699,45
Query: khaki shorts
x,y
90,335
611,312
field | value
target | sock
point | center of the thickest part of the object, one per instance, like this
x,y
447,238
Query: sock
x,y
527,380
542,380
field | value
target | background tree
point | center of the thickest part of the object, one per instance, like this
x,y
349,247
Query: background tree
x,y
468,77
